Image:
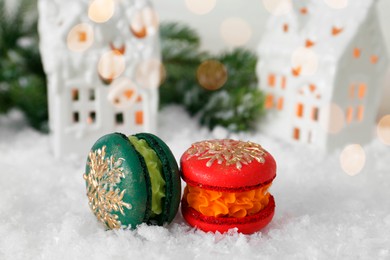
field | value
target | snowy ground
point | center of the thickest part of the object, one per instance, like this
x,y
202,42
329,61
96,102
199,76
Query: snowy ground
x,y
321,213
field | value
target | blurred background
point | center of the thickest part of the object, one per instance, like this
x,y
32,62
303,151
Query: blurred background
x,y
209,29
209,17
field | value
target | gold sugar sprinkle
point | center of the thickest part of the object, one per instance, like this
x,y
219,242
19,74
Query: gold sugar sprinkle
x,y
229,151
103,196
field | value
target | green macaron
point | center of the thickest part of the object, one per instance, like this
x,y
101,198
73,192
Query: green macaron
x,y
132,180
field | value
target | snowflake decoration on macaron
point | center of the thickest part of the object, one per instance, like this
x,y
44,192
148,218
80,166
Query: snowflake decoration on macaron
x,y
103,195
229,151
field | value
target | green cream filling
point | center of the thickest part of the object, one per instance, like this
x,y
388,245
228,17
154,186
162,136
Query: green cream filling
x,y
153,164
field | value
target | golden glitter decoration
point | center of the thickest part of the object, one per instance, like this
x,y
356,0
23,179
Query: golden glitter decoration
x,y
104,197
228,151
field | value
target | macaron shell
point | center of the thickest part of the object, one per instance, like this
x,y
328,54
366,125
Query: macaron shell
x,y
134,182
171,175
148,205
246,225
223,177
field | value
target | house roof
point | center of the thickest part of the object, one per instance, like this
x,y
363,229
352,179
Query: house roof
x,y
325,30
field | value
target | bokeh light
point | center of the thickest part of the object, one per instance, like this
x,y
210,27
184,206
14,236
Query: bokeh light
x,y
144,22
111,65
80,37
123,93
212,74
334,118
100,11
352,159
383,129
278,7
151,19
337,4
150,73
235,31
305,59
200,7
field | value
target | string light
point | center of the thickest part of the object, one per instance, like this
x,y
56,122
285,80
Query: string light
x,y
80,37
335,116
211,74
235,31
100,11
352,159
144,22
278,7
383,129
122,93
111,65
337,4
150,73
200,7
305,59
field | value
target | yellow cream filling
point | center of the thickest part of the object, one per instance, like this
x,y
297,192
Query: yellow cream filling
x,y
153,164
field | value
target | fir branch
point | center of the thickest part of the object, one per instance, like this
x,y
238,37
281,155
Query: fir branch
x,y
180,33
236,106
22,79
181,56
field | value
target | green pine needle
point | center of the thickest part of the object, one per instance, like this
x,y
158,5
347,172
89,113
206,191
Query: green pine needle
x,y
236,106
22,79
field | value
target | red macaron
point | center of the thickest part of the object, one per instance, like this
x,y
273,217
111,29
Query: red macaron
x,y
227,186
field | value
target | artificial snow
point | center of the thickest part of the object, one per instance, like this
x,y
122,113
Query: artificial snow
x,y
321,212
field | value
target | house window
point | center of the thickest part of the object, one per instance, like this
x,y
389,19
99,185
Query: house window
x,y
285,27
76,117
75,94
296,133
374,59
296,71
128,93
269,101
271,80
312,88
119,118
283,83
309,137
139,117
280,103
336,30
360,113
299,110
91,118
91,94
356,53
352,90
314,113
362,90
309,43
82,36
349,115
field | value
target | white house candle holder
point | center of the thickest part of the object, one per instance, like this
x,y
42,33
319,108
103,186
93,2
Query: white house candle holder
x,y
321,67
102,61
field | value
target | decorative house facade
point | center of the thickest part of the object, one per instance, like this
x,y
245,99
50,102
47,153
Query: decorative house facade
x,y
102,61
321,70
